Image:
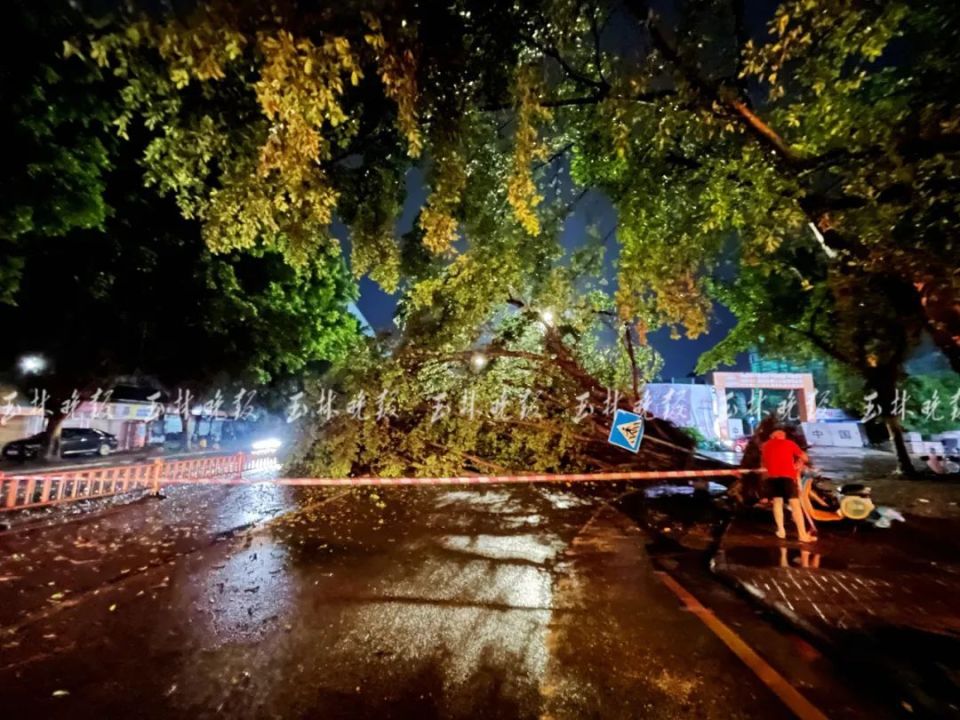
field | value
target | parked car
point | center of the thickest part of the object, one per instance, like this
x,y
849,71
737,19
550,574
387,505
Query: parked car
x,y
73,441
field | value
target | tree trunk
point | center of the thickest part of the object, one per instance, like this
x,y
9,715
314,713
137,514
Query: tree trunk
x,y
884,381
51,449
900,446
185,423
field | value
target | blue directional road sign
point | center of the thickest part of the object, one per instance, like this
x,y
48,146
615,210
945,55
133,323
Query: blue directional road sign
x,y
627,430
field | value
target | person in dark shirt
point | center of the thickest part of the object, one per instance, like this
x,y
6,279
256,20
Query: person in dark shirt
x,y
779,457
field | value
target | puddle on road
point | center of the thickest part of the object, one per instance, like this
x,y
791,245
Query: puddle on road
x,y
475,497
678,489
784,557
532,548
566,500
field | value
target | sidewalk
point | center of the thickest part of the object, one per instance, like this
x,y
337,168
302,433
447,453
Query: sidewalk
x,y
885,599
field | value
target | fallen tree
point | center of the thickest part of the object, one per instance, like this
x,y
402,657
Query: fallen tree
x,y
532,389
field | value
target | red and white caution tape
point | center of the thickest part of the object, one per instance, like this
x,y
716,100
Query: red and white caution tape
x,y
461,480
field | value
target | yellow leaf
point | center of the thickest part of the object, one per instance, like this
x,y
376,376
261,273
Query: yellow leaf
x,y
782,23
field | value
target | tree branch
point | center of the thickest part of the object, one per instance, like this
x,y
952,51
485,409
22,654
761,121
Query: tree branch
x,y
723,96
635,371
645,98
472,458
822,345
573,73
764,132
597,57
562,151
917,147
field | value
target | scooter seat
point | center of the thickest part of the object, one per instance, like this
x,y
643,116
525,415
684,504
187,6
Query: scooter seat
x,y
855,489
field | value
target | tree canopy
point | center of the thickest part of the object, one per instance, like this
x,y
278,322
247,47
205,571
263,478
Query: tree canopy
x,y
55,151
834,130
108,279
145,297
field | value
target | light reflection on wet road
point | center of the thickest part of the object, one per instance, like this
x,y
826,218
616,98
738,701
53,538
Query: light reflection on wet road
x,y
516,602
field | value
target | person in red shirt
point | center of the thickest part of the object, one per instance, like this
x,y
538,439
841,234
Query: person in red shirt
x,y
779,457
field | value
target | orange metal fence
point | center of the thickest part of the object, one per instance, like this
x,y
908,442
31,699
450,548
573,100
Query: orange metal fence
x,y
36,490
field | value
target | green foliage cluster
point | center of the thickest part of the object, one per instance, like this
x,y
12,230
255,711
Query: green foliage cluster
x,y
146,297
104,278
55,152
933,403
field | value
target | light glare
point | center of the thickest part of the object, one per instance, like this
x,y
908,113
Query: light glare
x,y
32,364
267,444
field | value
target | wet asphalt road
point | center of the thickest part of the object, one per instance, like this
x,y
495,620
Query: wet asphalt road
x,y
260,602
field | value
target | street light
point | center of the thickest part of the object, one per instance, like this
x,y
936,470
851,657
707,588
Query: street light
x,y
479,361
547,317
32,364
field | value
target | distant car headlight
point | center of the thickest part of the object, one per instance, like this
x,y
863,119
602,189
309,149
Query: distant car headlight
x,y
267,444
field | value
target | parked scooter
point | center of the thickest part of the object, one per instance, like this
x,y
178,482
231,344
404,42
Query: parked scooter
x,y
821,503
